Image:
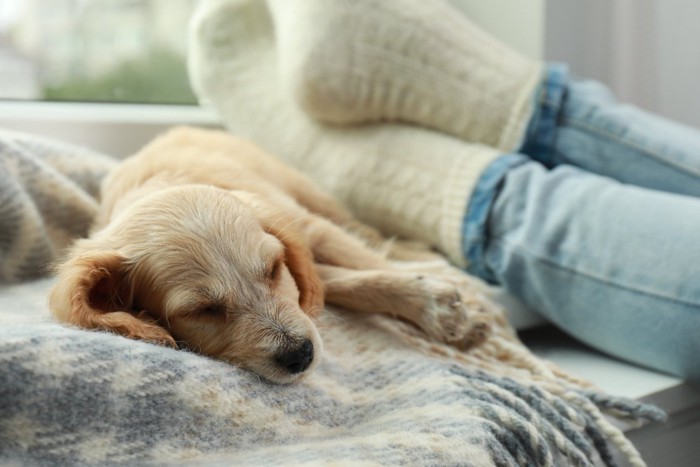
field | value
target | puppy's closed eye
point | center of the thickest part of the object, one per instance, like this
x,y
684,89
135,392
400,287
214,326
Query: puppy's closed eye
x,y
212,311
205,310
274,269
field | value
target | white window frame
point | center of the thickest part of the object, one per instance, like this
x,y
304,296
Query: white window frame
x,y
114,129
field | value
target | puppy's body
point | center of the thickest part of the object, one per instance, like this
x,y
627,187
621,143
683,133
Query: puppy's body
x,y
204,239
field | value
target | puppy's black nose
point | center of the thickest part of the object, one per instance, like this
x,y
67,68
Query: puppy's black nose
x,y
297,359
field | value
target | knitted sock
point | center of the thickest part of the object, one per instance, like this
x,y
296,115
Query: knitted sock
x,y
414,61
405,180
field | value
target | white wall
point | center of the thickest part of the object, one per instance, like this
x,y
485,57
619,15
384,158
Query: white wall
x,y
647,51
115,129
678,60
519,23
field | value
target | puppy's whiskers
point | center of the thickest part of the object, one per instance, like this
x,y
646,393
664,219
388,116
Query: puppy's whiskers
x,y
280,234
273,224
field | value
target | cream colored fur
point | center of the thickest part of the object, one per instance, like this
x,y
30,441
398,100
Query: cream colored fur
x,y
205,241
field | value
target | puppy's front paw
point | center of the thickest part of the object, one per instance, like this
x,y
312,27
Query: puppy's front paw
x,y
448,317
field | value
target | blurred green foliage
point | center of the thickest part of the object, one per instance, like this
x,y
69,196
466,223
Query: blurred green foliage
x,y
157,77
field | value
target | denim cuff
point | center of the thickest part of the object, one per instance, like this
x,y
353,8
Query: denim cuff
x,y
475,224
541,131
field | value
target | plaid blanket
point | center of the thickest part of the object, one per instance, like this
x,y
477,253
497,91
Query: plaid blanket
x,y
47,198
382,395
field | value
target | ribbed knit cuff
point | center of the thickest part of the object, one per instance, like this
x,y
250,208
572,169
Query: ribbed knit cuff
x,y
459,190
524,107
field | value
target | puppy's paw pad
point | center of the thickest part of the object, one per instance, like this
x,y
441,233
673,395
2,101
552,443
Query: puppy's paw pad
x,y
454,318
478,334
444,315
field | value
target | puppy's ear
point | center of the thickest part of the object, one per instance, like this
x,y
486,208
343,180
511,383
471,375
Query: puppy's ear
x,y
93,291
300,262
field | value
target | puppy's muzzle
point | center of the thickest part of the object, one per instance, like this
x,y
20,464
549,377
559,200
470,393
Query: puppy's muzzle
x,y
298,358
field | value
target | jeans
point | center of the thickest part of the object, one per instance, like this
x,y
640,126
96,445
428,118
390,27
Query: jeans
x,y
595,223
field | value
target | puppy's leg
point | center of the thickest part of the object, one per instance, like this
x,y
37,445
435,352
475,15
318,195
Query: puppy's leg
x,y
361,279
317,201
433,303
334,246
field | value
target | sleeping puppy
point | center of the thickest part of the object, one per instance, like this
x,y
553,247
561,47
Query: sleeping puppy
x,y
204,240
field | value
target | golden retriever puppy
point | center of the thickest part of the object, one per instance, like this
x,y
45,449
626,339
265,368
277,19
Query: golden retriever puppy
x,y
203,240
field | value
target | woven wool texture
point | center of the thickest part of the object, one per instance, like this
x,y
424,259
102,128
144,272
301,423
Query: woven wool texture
x,y
47,198
409,60
379,397
382,395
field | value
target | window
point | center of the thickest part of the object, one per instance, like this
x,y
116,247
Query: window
x,y
126,51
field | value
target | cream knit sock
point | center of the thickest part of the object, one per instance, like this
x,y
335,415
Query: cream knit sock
x,y
405,180
414,61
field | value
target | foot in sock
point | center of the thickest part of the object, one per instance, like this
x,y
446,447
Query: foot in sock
x,y
413,61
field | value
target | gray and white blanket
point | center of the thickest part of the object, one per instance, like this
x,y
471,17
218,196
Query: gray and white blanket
x,y
382,395
48,196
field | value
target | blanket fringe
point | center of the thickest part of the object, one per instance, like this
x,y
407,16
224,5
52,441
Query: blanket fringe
x,y
573,405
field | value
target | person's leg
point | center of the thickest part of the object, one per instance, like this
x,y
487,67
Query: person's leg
x,y
426,64
580,123
612,264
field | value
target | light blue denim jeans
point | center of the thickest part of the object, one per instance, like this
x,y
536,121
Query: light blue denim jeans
x,y
596,224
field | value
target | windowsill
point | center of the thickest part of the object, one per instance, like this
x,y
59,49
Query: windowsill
x,y
106,112
607,373
115,129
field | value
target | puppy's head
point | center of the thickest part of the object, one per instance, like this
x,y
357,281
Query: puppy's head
x,y
197,266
